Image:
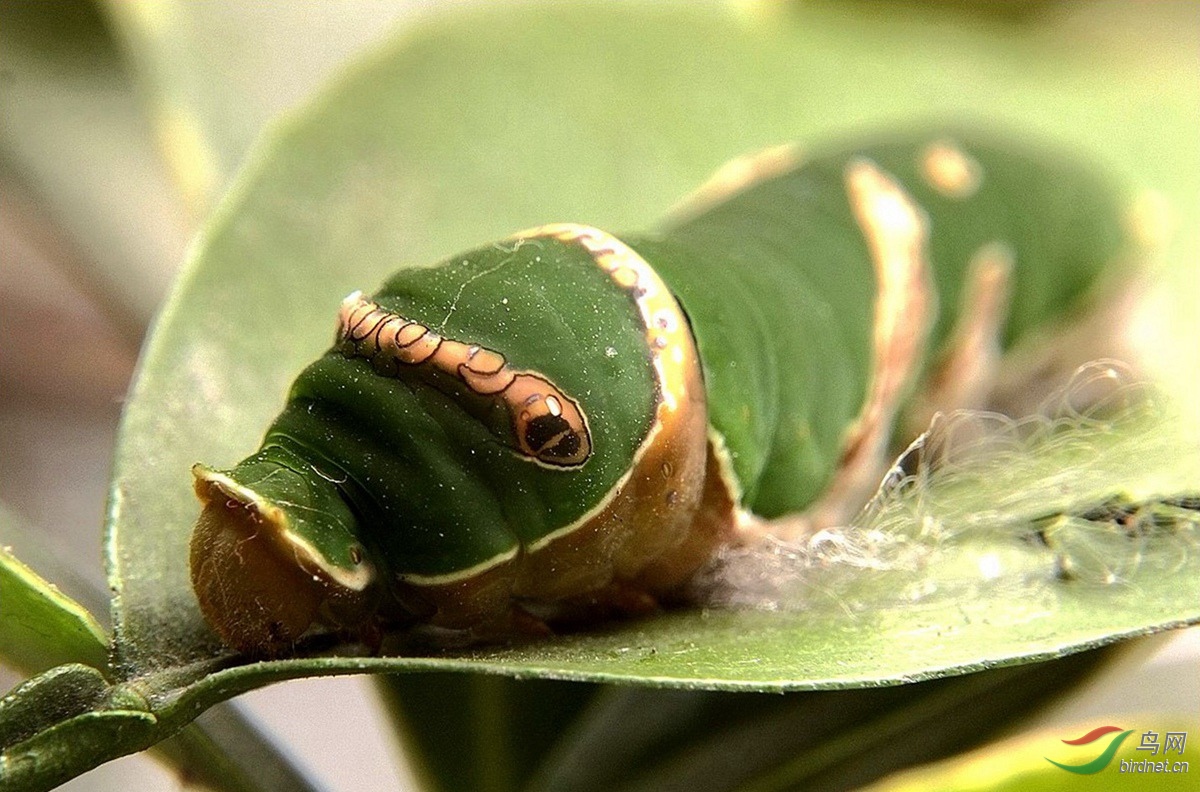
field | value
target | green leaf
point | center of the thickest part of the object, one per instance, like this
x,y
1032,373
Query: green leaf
x,y
56,695
75,746
423,149
65,721
40,627
68,720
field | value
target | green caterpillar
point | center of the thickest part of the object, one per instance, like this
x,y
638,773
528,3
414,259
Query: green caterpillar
x,y
569,420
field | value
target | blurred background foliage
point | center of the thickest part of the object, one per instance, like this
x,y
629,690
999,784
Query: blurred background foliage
x,y
122,122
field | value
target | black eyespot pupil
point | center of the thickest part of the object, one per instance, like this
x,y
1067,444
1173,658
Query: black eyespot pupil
x,y
544,429
567,447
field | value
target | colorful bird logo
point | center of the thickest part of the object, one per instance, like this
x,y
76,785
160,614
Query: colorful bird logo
x,y
1101,761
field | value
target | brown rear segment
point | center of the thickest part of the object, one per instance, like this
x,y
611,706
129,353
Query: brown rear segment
x,y
254,588
249,591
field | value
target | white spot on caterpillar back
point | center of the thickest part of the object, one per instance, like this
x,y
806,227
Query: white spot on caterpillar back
x,y
950,170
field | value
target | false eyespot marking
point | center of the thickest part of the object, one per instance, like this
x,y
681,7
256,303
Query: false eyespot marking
x,y
548,426
668,466
667,334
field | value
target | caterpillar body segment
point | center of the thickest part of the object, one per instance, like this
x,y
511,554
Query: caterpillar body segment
x,y
569,421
